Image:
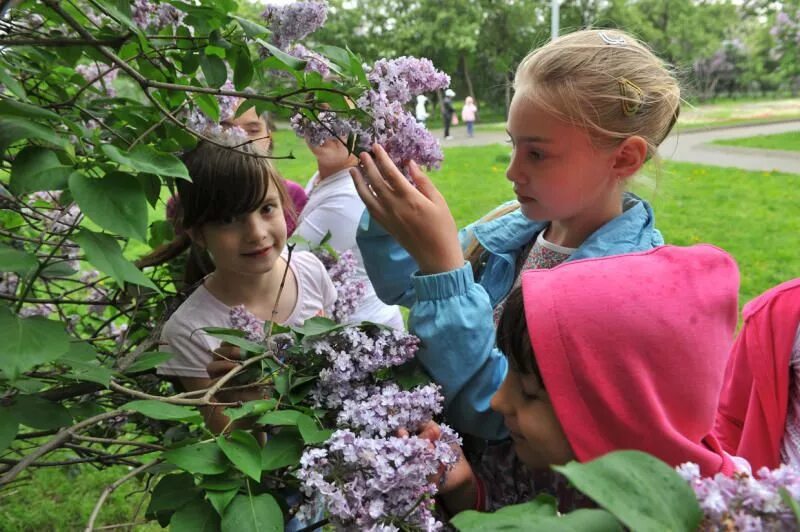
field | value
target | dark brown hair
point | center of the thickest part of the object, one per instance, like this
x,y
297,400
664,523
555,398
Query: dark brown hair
x,y
513,338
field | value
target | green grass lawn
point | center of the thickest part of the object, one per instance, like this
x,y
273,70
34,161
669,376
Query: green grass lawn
x,y
753,215
781,141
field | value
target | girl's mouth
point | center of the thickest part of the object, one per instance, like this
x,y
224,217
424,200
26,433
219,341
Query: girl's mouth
x,y
257,253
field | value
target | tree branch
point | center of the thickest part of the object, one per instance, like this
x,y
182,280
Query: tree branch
x,y
112,487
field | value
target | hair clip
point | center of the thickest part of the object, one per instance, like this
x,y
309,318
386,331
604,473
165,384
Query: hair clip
x,y
611,39
632,97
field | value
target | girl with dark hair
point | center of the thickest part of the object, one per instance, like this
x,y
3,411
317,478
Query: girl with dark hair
x,y
232,212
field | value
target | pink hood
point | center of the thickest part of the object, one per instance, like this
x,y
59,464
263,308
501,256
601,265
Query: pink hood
x,y
632,350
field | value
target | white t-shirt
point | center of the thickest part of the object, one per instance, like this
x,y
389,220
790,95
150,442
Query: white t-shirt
x,y
191,347
334,206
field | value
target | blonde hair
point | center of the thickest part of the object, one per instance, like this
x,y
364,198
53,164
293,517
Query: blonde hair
x,y
606,82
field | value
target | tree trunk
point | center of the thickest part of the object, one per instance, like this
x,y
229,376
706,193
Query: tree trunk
x,y
467,79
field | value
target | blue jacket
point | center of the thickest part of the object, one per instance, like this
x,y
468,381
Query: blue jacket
x,y
452,314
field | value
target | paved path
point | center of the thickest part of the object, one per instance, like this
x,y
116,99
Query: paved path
x,y
692,147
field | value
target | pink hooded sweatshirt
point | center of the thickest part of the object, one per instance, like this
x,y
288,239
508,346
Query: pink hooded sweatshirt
x,y
632,350
755,395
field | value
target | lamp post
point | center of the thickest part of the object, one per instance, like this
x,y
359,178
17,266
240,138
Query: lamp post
x,y
554,5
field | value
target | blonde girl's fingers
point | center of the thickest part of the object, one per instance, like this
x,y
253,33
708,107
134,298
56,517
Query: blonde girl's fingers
x,y
373,176
365,192
424,183
393,176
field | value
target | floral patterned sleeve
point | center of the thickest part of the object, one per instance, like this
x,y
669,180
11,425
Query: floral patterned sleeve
x,y
506,480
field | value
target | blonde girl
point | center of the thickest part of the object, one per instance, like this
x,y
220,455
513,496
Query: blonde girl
x,y
589,109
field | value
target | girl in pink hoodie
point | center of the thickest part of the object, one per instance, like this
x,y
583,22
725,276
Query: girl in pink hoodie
x,y
621,352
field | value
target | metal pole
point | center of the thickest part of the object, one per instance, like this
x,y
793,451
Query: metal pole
x,y
554,5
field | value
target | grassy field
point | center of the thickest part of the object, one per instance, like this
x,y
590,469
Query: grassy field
x,y
781,141
753,215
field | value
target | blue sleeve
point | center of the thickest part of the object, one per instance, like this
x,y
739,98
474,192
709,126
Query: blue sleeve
x,y
388,265
453,318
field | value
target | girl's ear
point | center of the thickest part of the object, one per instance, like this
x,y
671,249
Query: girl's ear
x,y
629,157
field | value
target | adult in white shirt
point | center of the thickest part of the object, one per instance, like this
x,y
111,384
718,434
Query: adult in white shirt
x,y
334,206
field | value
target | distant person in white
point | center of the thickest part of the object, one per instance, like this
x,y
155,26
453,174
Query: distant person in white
x,y
334,206
421,112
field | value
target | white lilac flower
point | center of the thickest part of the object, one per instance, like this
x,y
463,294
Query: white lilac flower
x,y
368,483
292,22
248,323
390,408
404,78
748,502
100,75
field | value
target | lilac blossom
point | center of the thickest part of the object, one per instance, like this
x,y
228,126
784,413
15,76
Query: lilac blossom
x,y
150,15
353,354
749,502
386,410
314,61
350,289
8,283
201,123
372,483
249,324
292,22
101,77
43,310
65,220
327,125
404,78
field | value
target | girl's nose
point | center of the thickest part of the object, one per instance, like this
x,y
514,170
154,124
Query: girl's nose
x,y
513,172
255,227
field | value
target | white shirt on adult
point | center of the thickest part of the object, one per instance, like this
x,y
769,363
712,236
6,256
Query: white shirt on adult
x,y
334,206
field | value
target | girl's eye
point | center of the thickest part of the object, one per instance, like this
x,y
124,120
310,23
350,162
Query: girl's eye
x,y
268,208
227,220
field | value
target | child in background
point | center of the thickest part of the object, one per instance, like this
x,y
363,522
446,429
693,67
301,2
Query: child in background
x,y
590,108
334,208
468,114
759,409
232,210
624,352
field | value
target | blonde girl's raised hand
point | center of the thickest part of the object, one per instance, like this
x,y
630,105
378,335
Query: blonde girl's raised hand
x,y
417,217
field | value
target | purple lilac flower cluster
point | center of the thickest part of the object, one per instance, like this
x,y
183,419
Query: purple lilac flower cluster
x,y
155,16
743,502
314,61
315,132
250,325
391,408
404,78
292,22
350,290
200,122
376,483
100,75
353,354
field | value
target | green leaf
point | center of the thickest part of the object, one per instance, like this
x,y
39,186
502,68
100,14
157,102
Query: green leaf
x,y
282,450
197,516
16,260
243,72
115,203
38,413
221,499
280,417
214,69
785,496
147,361
311,432
158,410
13,129
201,458
10,107
82,358
251,29
172,492
104,253
148,160
8,428
241,343
290,61
248,513
13,85
640,490
256,407
29,342
209,105
36,169
537,515
242,449
317,326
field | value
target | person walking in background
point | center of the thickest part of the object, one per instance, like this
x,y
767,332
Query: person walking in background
x,y
468,114
421,113
448,112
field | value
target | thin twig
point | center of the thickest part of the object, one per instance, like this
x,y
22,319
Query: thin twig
x,y
172,400
112,487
